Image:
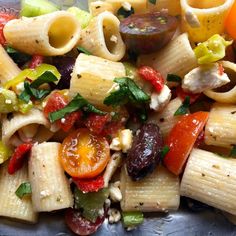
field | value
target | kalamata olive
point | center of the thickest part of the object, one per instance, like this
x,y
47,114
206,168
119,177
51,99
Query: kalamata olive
x,y
145,33
145,153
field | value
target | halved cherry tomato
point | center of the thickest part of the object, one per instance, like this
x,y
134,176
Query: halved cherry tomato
x,y
153,76
231,22
182,138
84,154
182,95
57,101
4,18
35,61
18,158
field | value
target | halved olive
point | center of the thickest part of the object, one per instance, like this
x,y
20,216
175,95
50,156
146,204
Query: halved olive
x,y
146,33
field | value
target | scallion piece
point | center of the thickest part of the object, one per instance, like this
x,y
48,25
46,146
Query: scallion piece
x,y
183,109
132,218
173,78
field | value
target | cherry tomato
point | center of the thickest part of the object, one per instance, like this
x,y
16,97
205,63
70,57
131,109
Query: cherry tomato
x,y
57,101
18,158
181,140
89,185
112,129
84,154
182,95
153,76
81,226
35,61
4,18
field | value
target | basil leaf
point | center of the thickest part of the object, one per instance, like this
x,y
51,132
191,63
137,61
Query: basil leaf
x,y
23,189
132,218
117,98
83,50
123,13
183,109
75,104
164,152
233,151
46,77
152,1
173,78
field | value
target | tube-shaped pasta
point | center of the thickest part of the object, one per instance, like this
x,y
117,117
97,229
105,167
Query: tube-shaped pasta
x,y
173,6
210,179
102,37
139,6
8,68
48,35
202,19
176,58
156,192
98,7
166,119
221,126
11,205
94,82
13,127
50,187
225,96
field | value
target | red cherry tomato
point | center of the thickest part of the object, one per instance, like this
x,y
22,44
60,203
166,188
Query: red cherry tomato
x,y
81,226
89,185
153,76
35,61
18,158
4,18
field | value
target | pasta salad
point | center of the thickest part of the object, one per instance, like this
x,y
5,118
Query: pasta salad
x,y
120,110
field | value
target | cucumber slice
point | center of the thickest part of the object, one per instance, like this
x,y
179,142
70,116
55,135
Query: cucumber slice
x,y
30,8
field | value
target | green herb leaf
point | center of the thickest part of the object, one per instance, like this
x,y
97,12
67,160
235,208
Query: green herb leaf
x,y
24,96
128,92
173,78
152,1
123,13
83,50
46,77
90,203
164,152
23,189
78,102
233,151
132,218
183,109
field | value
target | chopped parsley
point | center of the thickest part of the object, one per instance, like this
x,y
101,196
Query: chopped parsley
x,y
173,78
183,109
83,50
164,152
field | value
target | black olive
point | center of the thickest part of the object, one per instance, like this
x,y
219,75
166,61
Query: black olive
x,y
145,153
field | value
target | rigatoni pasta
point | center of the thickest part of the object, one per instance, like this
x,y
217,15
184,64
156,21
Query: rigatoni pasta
x,y
11,205
50,187
102,37
98,7
209,178
52,34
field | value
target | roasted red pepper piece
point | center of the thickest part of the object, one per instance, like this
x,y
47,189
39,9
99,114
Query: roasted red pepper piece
x,y
36,61
18,158
153,76
89,185
182,95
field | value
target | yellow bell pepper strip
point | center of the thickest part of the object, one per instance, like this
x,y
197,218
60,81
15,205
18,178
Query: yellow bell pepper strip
x,y
25,107
211,50
8,101
5,152
31,74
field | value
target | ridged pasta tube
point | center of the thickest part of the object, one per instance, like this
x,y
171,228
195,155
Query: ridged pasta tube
x,y
166,119
176,58
221,126
48,35
226,96
202,19
156,192
94,82
8,68
11,205
98,7
210,179
173,6
10,126
102,37
50,187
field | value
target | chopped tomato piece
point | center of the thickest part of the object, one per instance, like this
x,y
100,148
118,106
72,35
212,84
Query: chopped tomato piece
x,y
89,185
112,129
231,22
153,76
200,139
35,61
96,123
182,95
18,158
182,138
4,18
84,154
57,101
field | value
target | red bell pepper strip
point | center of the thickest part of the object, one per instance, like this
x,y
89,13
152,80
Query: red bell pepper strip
x,y
36,61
